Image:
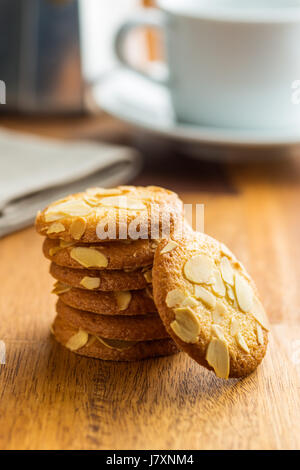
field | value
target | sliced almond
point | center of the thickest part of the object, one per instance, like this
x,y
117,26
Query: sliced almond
x,y
244,293
218,285
225,251
217,330
77,228
60,288
189,301
149,292
241,342
123,202
56,227
259,334
154,244
239,265
186,325
64,244
234,327
89,257
199,269
175,298
90,282
77,341
205,296
148,276
230,292
51,217
231,296
117,344
259,313
135,204
75,208
219,312
54,250
91,201
103,191
217,356
169,247
227,271
72,207
123,299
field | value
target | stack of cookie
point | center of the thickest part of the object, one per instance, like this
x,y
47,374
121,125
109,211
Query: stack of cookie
x,y
101,244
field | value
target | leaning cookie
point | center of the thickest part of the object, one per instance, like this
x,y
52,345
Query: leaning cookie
x,y
131,328
210,305
80,342
136,302
101,280
125,212
126,254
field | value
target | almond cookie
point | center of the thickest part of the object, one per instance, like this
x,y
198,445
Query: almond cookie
x,y
137,302
118,255
131,328
101,280
125,212
98,347
210,305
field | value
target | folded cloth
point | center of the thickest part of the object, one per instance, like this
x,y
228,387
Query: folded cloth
x,y
35,171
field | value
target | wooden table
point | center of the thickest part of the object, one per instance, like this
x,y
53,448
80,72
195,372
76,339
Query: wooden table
x,y
53,399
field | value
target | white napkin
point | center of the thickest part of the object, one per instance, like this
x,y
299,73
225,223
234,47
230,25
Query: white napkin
x,y
35,171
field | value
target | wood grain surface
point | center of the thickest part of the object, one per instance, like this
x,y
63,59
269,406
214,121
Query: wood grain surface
x,y
53,399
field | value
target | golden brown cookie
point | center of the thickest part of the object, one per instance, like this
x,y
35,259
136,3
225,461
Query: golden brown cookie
x,y
101,280
210,305
84,344
131,328
110,214
118,255
137,302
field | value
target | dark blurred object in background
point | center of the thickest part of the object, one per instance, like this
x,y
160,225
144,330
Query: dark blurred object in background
x,y
40,55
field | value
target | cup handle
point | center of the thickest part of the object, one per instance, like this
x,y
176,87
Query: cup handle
x,y
158,72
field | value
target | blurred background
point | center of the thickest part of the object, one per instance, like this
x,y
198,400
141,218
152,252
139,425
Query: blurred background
x,y
56,58
52,50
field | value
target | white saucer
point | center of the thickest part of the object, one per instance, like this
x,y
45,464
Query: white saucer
x,y
148,106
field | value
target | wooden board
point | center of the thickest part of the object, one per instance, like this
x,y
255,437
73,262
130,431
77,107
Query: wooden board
x,y
53,399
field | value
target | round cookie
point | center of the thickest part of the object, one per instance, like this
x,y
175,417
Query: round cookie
x,y
118,255
84,344
125,212
136,302
209,305
131,328
101,280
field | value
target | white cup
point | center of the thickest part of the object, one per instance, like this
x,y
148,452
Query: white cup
x,y
231,63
